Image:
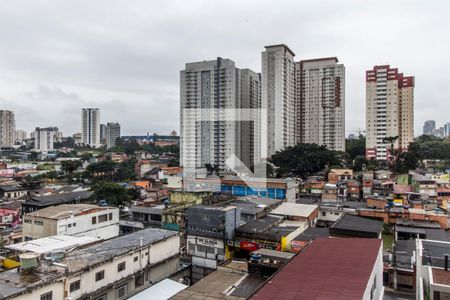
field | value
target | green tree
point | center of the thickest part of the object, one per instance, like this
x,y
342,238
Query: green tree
x,y
70,166
103,169
303,160
405,162
125,170
355,147
114,194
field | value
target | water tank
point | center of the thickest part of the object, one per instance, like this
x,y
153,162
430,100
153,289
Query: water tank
x,y
29,261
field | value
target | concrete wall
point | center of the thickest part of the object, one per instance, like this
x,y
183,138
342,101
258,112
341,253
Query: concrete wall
x,y
83,226
375,282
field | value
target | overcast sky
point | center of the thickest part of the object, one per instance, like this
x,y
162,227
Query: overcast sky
x,y
125,56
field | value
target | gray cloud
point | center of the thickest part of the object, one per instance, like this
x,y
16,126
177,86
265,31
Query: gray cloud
x,y
124,57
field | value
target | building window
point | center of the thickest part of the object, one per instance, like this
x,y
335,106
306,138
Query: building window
x,y
139,280
47,296
135,258
40,223
27,221
122,291
70,225
74,286
102,297
74,224
110,216
102,218
121,267
94,220
100,275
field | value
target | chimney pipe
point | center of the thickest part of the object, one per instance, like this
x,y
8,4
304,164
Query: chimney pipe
x,y
446,262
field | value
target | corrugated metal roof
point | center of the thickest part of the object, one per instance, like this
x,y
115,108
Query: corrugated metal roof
x,y
162,290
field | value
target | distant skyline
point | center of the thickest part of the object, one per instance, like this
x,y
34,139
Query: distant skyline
x,y
125,57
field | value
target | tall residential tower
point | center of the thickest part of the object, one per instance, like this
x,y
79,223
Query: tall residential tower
x,y
320,102
389,111
7,128
278,96
216,85
90,127
112,133
429,127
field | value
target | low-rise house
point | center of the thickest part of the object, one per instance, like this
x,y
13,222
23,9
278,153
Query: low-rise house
x,y
336,175
8,215
382,174
36,202
367,186
12,192
328,215
172,176
208,229
329,193
148,215
113,269
277,188
298,212
424,185
443,197
72,219
354,189
351,269
355,226
377,202
400,194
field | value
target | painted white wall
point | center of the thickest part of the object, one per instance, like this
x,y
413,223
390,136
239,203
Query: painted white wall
x,y
376,278
83,225
158,253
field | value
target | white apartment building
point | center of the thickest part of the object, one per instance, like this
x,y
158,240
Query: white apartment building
x,y
72,219
278,96
112,133
320,102
213,85
21,135
114,269
90,127
389,111
44,138
7,128
250,131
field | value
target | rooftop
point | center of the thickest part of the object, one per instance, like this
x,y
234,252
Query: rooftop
x,y
274,253
13,282
342,171
212,286
65,211
11,188
345,275
160,291
259,225
280,45
356,226
52,243
295,209
57,198
430,233
441,276
312,233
